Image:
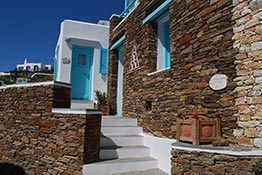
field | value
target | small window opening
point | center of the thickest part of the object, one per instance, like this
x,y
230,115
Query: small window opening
x,y
148,106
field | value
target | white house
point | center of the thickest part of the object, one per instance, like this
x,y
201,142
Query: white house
x,y
81,59
32,66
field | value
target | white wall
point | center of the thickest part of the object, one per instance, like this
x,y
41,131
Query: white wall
x,y
83,34
160,150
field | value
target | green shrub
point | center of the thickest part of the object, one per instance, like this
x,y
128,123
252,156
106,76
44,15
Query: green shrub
x,y
257,166
101,97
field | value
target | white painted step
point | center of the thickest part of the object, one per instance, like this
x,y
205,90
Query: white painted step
x,y
146,172
82,104
120,140
120,165
120,130
118,121
124,152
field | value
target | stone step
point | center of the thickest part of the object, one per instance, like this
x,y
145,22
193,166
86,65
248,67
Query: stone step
x,y
121,140
120,130
146,172
120,165
82,104
124,152
118,121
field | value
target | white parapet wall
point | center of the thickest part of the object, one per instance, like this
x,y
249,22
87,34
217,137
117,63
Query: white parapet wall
x,y
160,150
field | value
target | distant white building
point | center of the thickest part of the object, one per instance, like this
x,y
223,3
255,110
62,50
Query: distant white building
x,y
32,66
4,74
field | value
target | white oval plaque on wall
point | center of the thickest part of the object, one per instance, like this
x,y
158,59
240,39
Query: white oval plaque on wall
x,y
218,82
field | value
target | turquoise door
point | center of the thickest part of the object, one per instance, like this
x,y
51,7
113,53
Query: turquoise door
x,y
120,80
81,75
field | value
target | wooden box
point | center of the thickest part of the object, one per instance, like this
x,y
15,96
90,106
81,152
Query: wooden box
x,y
197,128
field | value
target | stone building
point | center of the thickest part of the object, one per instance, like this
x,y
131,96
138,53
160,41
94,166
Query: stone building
x,y
163,54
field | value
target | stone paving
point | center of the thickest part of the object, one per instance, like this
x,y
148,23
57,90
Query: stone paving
x,y
147,172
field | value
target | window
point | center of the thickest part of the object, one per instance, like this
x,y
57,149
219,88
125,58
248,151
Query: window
x,y
20,68
36,68
81,59
163,43
161,17
103,61
28,68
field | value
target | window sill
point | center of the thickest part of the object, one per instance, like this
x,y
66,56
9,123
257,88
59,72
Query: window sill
x,y
158,71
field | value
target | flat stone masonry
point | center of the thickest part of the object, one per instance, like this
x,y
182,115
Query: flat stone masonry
x,y
212,161
201,46
248,40
43,142
206,38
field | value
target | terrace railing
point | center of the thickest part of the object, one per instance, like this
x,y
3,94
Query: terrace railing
x,y
129,8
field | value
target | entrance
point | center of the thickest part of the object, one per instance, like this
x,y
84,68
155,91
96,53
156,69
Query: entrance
x,y
120,80
81,74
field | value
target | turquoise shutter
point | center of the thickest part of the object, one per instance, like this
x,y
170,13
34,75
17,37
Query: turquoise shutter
x,y
167,44
103,61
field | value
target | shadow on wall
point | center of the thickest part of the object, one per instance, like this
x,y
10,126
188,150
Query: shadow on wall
x,y
10,169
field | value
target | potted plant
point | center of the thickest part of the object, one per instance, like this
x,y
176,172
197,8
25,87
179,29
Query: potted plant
x,y
101,99
257,166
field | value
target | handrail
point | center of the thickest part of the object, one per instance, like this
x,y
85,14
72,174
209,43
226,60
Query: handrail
x,y
128,8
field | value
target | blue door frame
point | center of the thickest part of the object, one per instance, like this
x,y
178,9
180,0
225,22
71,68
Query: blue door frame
x,y
81,72
56,66
120,80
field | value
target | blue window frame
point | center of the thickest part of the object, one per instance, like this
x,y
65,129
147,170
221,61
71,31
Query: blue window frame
x,y
161,16
163,45
163,8
118,43
103,61
167,44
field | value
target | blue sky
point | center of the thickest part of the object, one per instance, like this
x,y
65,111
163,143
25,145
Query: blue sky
x,y
30,28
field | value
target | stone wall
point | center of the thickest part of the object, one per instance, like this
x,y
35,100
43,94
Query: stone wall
x,y
248,41
43,142
201,46
199,162
41,77
61,95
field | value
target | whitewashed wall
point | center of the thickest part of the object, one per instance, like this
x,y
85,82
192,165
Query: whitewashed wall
x,y
83,34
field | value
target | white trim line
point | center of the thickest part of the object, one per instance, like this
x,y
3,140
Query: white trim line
x,y
69,38
158,71
61,84
28,85
114,15
227,152
86,23
74,111
41,74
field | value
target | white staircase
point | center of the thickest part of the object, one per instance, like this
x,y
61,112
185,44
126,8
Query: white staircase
x,y
82,104
122,148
